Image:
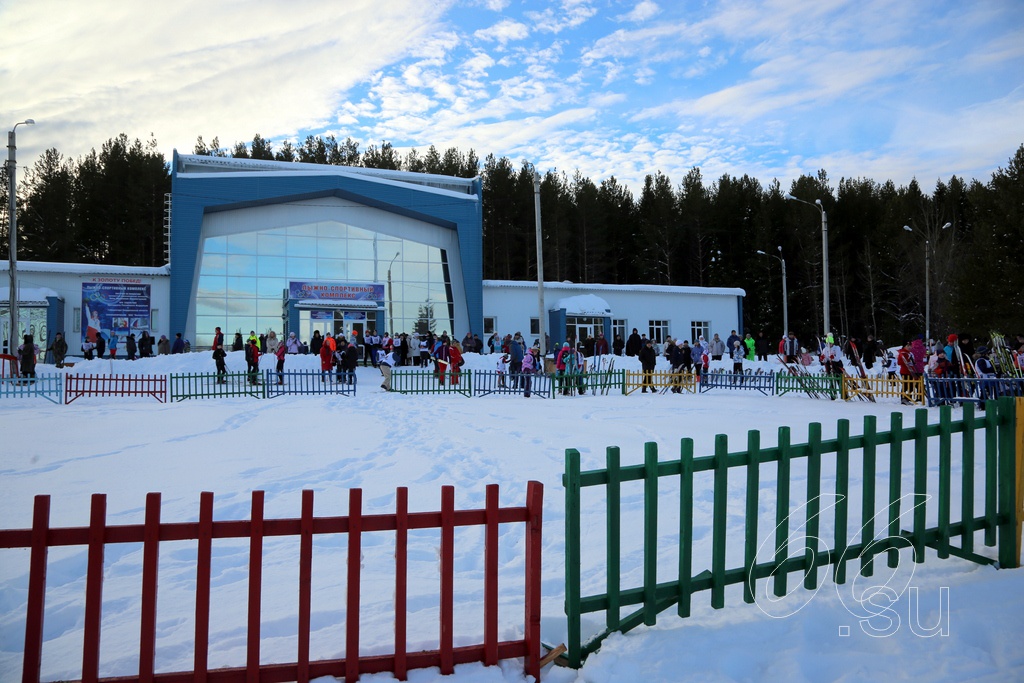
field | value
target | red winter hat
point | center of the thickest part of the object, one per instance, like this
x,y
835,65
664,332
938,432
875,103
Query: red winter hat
x,y
951,338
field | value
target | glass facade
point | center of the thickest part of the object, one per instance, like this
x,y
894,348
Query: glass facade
x,y
243,278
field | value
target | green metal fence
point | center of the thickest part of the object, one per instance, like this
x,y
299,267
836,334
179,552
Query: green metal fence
x,y
427,382
818,386
995,514
211,385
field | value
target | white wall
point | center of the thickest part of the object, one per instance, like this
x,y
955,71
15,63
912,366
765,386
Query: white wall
x,y
513,306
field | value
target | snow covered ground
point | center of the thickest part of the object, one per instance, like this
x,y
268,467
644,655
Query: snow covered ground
x,y
377,441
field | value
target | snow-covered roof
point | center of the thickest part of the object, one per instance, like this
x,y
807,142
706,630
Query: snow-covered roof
x,y
198,165
584,304
578,286
88,269
27,295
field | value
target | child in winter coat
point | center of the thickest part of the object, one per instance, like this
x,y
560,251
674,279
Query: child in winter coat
x,y
502,368
218,357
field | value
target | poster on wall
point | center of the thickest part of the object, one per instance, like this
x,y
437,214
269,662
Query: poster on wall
x,y
113,309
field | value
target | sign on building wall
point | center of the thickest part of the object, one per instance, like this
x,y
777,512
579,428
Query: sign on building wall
x,y
335,291
115,307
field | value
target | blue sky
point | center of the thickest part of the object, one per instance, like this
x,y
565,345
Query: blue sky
x,y
861,88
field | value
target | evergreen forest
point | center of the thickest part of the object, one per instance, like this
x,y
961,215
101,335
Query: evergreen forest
x,y
108,207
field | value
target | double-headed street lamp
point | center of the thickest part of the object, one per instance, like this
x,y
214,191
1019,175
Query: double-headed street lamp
x,y
824,257
12,222
785,299
927,280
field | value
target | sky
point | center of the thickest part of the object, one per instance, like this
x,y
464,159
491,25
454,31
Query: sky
x,y
624,88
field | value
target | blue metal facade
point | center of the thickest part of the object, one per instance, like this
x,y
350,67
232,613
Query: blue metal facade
x,y
195,196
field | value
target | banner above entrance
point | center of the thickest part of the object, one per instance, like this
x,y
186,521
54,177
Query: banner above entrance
x,y
335,291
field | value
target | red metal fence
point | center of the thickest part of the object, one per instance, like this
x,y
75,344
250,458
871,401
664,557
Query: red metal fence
x,y
76,386
153,532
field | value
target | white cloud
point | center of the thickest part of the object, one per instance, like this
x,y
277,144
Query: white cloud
x,y
89,71
503,32
642,11
569,14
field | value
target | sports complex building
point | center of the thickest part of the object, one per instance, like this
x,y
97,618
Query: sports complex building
x,y
267,245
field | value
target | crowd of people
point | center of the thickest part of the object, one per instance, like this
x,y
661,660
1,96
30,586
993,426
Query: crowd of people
x,y
516,360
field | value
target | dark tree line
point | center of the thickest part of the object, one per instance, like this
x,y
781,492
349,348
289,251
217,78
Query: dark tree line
x,y
108,207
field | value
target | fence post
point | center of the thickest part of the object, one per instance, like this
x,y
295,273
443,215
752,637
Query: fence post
x,y
685,525
718,520
650,533
613,555
572,556
252,659
535,512
945,478
867,534
842,499
813,505
32,660
782,515
1009,474
920,481
967,483
94,589
150,567
895,486
750,540
1018,409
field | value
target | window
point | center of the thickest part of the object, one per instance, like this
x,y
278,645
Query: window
x,y
700,328
490,325
76,317
154,325
658,330
534,325
619,328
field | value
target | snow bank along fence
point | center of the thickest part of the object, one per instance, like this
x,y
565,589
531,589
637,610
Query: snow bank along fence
x,y
154,531
998,514
932,391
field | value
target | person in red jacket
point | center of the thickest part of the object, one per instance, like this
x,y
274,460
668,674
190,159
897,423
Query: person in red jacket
x,y
905,359
326,360
252,357
454,363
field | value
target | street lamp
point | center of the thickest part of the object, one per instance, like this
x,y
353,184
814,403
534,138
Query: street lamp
x,y
927,281
12,222
540,266
824,256
391,298
785,299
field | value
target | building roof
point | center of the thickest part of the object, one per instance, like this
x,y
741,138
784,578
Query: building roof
x,y
193,164
28,295
88,269
596,287
584,304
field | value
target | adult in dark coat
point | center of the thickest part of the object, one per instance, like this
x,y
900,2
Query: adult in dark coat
x,y
618,345
237,344
101,346
131,347
146,345
648,360
60,350
869,352
762,346
633,344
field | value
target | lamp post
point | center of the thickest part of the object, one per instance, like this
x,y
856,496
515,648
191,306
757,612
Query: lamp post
x,y
391,298
927,281
12,222
785,298
824,257
540,266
